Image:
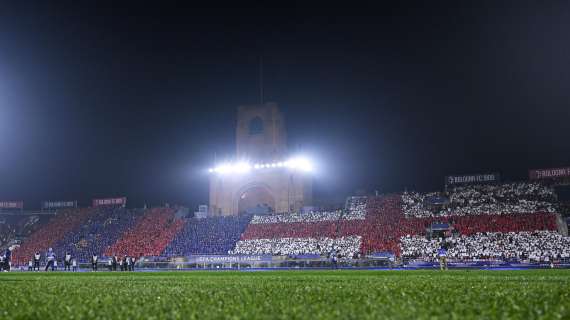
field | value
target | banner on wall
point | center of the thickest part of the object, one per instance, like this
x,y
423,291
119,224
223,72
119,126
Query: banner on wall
x,y
11,204
59,204
552,173
230,259
122,201
473,179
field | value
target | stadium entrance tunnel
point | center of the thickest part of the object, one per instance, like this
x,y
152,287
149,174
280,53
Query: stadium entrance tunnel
x,y
256,200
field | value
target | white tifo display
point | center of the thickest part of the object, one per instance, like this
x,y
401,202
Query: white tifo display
x,y
509,198
345,246
537,246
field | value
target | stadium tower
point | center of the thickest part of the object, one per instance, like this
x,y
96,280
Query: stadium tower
x,y
263,179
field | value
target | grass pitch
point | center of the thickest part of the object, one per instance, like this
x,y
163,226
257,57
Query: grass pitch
x,y
539,294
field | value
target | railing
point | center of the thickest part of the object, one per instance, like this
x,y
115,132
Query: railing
x,y
431,262
276,263
320,263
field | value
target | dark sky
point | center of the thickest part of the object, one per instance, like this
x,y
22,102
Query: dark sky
x,y
108,100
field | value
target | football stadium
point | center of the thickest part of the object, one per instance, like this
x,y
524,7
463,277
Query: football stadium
x,y
389,212
260,249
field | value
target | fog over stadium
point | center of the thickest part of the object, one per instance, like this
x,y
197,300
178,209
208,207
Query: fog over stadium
x,y
124,99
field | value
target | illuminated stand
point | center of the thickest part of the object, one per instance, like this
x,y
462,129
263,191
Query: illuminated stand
x,y
271,183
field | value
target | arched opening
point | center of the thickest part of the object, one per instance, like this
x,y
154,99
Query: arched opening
x,y
256,200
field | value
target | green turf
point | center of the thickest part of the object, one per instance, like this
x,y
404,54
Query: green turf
x,y
537,294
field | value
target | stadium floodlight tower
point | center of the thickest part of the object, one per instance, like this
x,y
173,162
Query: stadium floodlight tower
x,y
263,177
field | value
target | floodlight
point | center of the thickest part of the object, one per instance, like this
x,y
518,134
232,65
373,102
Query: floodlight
x,y
301,163
224,168
297,163
242,167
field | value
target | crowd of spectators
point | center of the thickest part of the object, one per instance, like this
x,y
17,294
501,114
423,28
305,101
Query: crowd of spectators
x,y
537,246
347,247
316,232
14,227
383,225
415,204
212,235
313,216
48,235
509,198
356,211
7,235
99,232
565,209
386,224
355,208
394,223
150,235
291,230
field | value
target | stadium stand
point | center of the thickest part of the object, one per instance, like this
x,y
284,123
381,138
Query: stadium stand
x,y
356,207
388,224
320,229
510,198
537,246
565,209
47,236
383,226
17,227
305,233
358,213
214,235
504,221
150,236
98,233
344,246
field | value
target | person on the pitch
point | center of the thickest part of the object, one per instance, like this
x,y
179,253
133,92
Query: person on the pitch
x,y
8,258
442,254
30,265
37,261
67,262
94,260
132,264
74,264
333,257
129,263
50,257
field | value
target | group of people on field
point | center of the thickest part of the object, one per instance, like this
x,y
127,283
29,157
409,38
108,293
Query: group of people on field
x,y
71,264
117,263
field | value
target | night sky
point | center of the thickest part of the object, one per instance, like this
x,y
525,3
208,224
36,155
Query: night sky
x,y
108,100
